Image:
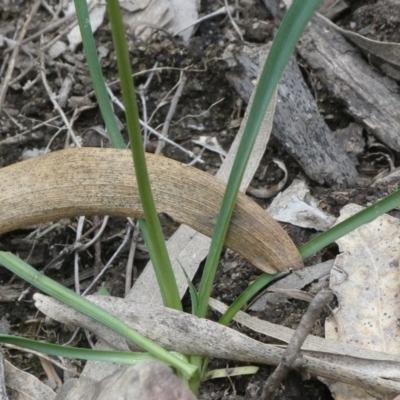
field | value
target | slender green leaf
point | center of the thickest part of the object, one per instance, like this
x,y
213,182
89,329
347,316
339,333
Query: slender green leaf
x,y
96,74
59,292
150,226
194,296
283,45
120,357
350,224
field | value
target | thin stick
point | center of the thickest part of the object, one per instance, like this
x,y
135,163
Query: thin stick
x,y
108,265
220,11
52,26
131,257
228,11
142,90
292,351
153,131
11,63
53,97
97,250
171,112
41,355
79,229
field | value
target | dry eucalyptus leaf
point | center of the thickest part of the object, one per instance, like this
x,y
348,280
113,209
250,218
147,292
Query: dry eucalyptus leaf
x,y
93,181
143,23
168,15
24,386
365,279
185,14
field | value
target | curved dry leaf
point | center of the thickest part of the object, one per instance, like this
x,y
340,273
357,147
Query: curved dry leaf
x,y
24,386
93,181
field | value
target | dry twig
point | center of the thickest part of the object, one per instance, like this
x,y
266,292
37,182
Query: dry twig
x,y
13,58
292,351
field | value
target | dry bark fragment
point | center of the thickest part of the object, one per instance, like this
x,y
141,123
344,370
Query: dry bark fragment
x,y
370,98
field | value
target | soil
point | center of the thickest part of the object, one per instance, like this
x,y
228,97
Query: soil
x,y
209,106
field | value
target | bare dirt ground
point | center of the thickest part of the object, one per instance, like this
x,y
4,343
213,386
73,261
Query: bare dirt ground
x,y
209,106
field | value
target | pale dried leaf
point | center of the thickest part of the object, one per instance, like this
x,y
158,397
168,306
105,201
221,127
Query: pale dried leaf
x,y
24,386
296,206
147,380
134,5
185,14
332,8
365,279
57,49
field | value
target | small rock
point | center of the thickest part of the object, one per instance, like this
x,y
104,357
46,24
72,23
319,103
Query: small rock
x,y
147,380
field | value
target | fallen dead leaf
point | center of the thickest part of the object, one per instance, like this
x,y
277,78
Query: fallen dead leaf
x,y
296,206
24,386
94,181
365,279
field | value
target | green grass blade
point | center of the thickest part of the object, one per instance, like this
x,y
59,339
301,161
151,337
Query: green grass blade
x,y
194,296
350,224
59,292
283,45
120,357
96,74
151,226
